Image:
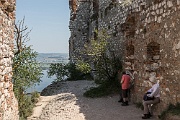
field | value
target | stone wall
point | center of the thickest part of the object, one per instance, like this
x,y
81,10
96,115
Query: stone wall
x,y
155,44
79,27
145,34
8,102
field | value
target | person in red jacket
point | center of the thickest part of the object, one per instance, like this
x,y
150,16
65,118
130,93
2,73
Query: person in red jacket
x,y
125,82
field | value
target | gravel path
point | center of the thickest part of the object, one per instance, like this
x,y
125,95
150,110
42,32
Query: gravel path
x,y
69,104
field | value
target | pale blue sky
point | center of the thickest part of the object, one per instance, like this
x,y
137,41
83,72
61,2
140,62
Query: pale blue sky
x,y
49,21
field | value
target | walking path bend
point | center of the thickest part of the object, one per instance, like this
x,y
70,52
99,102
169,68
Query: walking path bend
x,y
65,101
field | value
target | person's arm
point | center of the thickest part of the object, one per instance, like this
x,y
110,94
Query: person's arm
x,y
122,80
131,80
155,89
119,76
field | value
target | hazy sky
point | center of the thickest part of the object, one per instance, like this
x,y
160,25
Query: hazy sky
x,y
49,21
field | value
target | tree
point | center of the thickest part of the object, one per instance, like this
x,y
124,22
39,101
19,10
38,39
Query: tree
x,y
100,57
103,63
26,70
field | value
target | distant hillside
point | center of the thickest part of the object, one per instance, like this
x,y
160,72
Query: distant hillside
x,y
52,57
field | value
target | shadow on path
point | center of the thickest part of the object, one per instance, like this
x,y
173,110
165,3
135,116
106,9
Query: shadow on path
x,y
70,104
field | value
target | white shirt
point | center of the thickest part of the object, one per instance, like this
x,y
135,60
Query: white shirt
x,y
155,91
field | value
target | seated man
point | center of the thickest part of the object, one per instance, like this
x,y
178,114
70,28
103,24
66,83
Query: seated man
x,y
154,92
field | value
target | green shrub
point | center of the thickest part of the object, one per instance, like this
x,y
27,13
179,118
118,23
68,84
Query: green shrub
x,y
76,74
26,104
25,107
172,109
34,97
67,72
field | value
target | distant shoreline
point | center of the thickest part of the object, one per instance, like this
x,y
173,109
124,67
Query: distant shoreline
x,y
45,59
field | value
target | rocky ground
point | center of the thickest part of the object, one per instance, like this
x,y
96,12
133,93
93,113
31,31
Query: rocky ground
x,y
65,101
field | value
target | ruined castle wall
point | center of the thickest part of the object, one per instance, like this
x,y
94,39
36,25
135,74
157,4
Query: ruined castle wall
x,y
112,15
158,25
145,34
140,27
8,102
79,29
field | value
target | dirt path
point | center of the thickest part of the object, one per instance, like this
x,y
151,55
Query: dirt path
x,y
69,104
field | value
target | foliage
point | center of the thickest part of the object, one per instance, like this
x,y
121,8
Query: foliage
x,y
97,46
25,107
82,66
59,70
66,71
75,73
104,63
27,104
172,109
35,96
26,70
107,68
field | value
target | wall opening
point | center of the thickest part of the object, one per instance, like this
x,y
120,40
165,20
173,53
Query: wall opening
x,y
130,50
153,51
129,27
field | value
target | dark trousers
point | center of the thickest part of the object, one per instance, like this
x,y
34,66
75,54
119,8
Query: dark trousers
x,y
147,105
120,94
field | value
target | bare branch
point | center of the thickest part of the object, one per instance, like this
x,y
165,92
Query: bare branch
x,y
21,36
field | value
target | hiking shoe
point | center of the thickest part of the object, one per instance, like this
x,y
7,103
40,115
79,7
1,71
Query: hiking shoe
x,y
120,100
124,104
146,116
150,115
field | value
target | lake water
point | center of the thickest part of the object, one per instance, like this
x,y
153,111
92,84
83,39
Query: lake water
x,y
45,59
45,81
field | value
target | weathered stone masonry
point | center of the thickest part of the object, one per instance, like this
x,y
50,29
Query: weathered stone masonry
x,y
8,102
146,33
